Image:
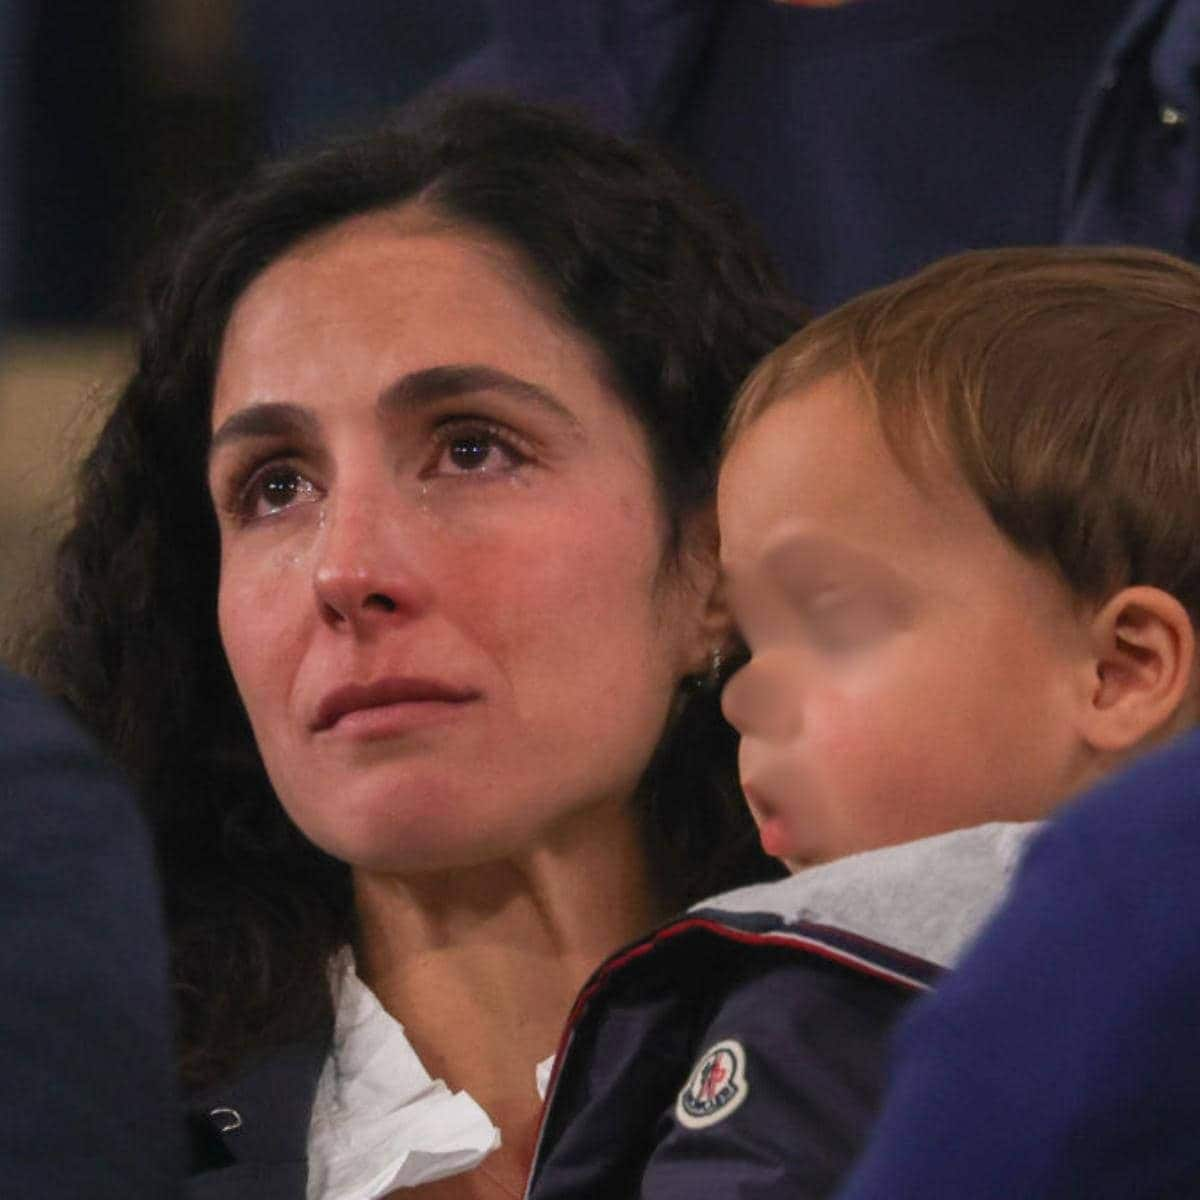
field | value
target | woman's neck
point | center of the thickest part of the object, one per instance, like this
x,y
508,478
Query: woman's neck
x,y
481,964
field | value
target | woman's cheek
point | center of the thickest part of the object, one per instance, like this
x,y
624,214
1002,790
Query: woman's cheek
x,y
257,605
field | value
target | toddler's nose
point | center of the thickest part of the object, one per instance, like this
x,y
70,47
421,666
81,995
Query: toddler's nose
x,y
760,700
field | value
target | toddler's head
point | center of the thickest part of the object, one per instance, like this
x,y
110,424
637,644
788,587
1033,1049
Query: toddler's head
x,y
960,521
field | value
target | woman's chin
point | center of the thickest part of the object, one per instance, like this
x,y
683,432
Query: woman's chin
x,y
411,835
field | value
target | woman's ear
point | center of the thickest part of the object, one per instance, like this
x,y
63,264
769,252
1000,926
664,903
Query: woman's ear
x,y
700,566
1144,648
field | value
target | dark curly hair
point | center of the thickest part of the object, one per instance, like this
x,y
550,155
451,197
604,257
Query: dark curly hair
x,y
667,282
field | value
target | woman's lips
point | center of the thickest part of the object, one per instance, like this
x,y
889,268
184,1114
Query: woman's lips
x,y
387,706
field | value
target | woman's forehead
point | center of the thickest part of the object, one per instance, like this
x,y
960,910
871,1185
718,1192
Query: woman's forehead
x,y
419,236
372,275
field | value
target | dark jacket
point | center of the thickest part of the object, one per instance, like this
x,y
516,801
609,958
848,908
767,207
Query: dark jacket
x,y
88,1105
727,1055
250,1136
740,1052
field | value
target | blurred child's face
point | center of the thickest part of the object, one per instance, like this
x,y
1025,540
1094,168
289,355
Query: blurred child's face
x,y
911,671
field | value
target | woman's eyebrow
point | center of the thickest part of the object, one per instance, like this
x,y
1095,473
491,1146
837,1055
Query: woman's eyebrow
x,y
267,419
423,388
408,394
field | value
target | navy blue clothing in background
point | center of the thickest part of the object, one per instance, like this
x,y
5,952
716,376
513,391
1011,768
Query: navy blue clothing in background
x,y
319,67
1062,1058
1134,172
14,36
871,139
88,1104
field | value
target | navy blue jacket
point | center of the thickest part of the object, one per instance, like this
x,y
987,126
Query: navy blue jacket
x,y
871,139
88,1104
250,1135
1062,1058
725,1055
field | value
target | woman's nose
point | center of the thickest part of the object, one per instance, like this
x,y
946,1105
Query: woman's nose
x,y
366,572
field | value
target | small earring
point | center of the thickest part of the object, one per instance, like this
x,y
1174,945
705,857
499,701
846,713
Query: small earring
x,y
716,660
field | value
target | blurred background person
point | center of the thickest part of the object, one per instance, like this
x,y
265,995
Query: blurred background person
x,y
88,1102
865,137
870,137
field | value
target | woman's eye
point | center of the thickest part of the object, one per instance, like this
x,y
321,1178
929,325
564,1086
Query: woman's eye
x,y
475,450
274,489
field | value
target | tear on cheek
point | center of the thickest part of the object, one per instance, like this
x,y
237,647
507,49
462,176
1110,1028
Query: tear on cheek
x,y
286,557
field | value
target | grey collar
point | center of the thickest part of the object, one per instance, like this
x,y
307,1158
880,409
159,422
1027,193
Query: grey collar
x,y
927,898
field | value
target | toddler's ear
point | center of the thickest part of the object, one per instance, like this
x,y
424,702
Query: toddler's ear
x,y
1144,647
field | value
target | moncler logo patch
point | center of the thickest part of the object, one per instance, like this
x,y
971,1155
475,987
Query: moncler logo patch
x,y
716,1087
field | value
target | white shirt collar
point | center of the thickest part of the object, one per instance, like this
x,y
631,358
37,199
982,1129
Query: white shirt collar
x,y
379,1121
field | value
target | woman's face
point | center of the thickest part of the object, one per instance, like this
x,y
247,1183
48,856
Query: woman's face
x,y
443,594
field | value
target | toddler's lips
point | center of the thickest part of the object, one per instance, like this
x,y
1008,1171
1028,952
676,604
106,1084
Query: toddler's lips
x,y
775,837
772,829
